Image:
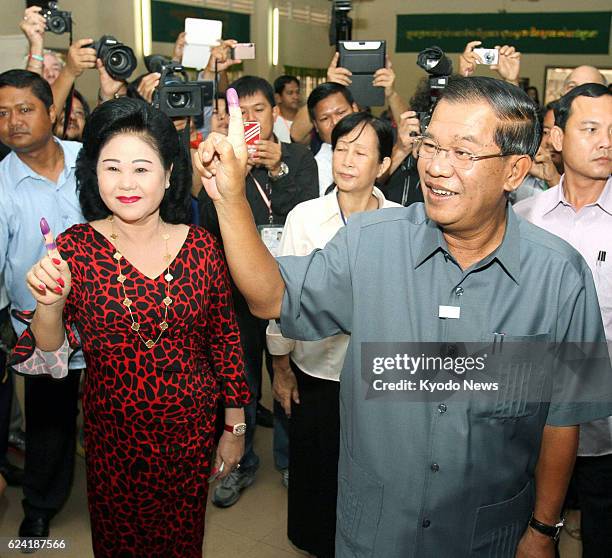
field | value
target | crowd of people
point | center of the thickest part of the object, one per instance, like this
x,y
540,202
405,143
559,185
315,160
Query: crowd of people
x,y
182,267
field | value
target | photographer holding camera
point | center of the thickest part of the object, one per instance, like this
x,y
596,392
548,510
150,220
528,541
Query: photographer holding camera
x,y
33,27
384,77
81,56
508,66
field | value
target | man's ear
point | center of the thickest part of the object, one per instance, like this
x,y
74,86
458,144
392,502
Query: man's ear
x,y
53,114
355,107
556,138
275,111
517,173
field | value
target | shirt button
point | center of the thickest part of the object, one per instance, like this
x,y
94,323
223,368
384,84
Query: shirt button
x,y
442,408
426,523
435,467
459,291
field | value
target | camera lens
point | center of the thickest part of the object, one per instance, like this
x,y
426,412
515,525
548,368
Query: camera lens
x,y
488,58
118,61
56,24
179,99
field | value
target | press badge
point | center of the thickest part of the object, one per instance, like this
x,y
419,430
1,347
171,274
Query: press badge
x,y
271,236
449,312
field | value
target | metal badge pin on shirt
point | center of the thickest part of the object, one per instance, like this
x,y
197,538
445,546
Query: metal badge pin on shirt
x,y
453,312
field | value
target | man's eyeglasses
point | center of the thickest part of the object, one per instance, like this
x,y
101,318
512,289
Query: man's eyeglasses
x,y
457,157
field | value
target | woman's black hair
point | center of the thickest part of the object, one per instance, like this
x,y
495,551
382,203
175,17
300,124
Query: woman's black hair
x,y
384,131
131,116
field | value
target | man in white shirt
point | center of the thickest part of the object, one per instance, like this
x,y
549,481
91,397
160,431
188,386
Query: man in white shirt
x,y
287,97
327,104
579,210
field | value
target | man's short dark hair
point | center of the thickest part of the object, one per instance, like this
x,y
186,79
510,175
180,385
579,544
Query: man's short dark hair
x,y
24,79
247,86
323,91
382,128
519,131
551,106
564,104
132,116
281,81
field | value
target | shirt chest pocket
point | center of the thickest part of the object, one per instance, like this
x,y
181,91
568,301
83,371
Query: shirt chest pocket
x,y
518,366
603,283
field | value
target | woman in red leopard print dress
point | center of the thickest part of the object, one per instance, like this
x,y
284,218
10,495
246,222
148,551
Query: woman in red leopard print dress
x,y
150,301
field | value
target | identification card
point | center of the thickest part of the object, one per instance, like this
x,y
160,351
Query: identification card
x,y
271,236
449,312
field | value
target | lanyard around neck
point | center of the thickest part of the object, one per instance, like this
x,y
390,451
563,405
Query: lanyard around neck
x,y
264,197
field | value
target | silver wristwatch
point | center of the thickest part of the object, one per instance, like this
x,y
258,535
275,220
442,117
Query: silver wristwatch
x,y
284,171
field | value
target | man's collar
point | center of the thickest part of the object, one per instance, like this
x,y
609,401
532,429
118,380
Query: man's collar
x,y
325,149
604,201
507,253
19,171
605,198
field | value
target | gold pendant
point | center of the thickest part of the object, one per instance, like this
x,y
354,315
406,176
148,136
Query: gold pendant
x,y
127,302
166,236
168,277
163,326
114,236
135,326
117,256
121,278
150,343
167,301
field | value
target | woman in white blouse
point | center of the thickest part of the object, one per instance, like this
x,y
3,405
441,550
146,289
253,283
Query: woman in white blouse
x,y
307,373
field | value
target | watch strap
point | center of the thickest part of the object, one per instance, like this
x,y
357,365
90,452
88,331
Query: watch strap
x,y
552,531
238,429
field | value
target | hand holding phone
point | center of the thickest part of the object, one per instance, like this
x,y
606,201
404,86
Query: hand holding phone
x,y
252,134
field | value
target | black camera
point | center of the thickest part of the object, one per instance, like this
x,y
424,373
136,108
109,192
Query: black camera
x,y
58,21
439,67
176,96
118,59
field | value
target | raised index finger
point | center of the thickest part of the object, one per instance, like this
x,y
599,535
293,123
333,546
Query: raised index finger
x,y
49,239
235,131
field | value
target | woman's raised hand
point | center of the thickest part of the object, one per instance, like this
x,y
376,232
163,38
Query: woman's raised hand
x,y
221,161
49,280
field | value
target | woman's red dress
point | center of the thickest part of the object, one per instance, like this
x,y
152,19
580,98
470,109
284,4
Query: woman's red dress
x,y
150,413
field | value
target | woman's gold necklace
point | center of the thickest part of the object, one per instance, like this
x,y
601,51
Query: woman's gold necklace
x,y
127,301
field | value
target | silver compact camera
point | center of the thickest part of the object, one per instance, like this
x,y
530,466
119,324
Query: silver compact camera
x,y
489,56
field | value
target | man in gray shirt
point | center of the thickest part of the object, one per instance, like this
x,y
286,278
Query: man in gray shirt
x,y
448,476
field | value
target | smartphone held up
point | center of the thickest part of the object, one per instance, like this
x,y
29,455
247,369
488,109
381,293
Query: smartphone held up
x,y
252,134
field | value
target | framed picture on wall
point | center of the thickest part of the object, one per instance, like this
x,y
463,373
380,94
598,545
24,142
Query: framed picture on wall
x,y
554,77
